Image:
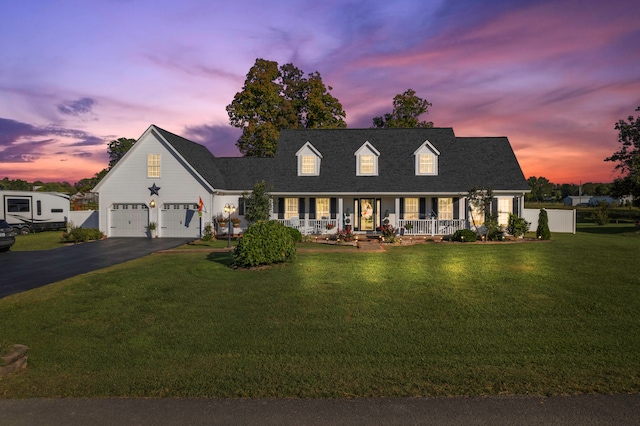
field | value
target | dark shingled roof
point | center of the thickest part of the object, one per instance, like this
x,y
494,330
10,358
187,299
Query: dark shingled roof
x,y
463,163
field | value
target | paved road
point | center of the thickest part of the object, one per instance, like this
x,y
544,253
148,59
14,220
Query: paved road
x,y
23,270
583,410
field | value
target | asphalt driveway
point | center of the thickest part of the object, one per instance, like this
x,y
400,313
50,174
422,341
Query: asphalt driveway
x,y
25,270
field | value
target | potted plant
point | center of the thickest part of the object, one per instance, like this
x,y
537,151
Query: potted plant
x,y
221,221
236,222
152,228
330,225
408,226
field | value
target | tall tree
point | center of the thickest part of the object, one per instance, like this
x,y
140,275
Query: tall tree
x,y
118,148
275,98
407,108
628,157
257,203
540,188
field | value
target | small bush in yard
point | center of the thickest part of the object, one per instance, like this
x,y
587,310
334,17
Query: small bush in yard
x,y
543,232
80,235
600,215
295,234
517,226
264,243
469,236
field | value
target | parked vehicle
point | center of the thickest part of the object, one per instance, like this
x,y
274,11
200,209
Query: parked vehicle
x,y
34,211
7,236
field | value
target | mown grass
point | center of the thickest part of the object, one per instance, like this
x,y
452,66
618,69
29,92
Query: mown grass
x,y
558,317
38,241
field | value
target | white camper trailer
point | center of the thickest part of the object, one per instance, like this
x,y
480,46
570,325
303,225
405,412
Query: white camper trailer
x,y
34,211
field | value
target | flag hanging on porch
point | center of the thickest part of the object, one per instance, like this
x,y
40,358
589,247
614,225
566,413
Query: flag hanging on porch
x,y
200,205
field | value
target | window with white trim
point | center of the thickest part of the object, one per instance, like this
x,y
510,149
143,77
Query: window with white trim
x,y
426,164
445,208
290,208
309,159
367,160
323,208
504,208
366,165
153,165
426,158
308,166
411,208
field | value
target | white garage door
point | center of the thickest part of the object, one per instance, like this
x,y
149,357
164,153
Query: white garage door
x,y
129,220
179,220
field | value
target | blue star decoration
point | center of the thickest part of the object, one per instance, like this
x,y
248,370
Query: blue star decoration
x,y
154,189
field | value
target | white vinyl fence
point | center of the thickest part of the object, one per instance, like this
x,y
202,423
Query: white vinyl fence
x,y
559,220
84,218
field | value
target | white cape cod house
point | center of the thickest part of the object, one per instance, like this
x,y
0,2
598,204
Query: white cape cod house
x,y
322,180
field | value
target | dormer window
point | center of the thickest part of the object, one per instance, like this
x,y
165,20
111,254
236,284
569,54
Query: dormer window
x,y
426,159
308,160
367,160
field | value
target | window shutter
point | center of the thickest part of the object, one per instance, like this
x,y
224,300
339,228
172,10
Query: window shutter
x,y
423,208
280,208
312,208
434,206
494,206
241,206
333,207
456,208
301,207
401,208
515,210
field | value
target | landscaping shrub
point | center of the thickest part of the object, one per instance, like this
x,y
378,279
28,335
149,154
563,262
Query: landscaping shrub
x,y
517,226
264,243
543,232
388,233
79,235
469,236
208,233
342,235
295,234
600,215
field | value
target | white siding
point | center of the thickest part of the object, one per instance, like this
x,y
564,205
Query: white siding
x,y
127,182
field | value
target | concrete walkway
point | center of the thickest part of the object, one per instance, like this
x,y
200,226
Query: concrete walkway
x,y
583,410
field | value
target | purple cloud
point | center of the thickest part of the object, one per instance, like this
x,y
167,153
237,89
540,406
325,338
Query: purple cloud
x,y
78,107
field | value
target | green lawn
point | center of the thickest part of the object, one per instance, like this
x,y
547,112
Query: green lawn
x,y
38,241
558,317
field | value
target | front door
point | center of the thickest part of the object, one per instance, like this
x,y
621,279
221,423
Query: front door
x,y
367,214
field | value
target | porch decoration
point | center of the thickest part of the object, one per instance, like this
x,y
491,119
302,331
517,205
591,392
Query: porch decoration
x,y
330,225
236,222
155,190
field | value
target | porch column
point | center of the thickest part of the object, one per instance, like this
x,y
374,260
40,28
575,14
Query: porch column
x,y
340,214
397,212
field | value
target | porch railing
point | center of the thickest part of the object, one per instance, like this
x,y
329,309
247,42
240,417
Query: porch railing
x,y
431,226
418,226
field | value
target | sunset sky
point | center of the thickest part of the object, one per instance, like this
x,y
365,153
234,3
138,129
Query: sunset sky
x,y
552,76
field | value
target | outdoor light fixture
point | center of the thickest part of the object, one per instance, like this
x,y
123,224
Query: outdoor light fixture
x,y
228,209
152,204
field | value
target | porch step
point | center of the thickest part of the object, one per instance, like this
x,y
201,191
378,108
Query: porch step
x,y
370,245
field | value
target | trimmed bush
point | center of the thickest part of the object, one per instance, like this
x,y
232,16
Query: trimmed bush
x,y
295,234
542,232
264,243
469,236
517,225
81,235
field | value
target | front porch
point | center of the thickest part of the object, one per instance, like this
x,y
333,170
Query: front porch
x,y
431,227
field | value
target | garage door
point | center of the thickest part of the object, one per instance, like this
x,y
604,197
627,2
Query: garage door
x,y
128,220
179,220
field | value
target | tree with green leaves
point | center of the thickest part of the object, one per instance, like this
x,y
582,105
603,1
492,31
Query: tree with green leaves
x,y
257,203
407,108
118,148
542,231
275,98
480,200
540,187
627,157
